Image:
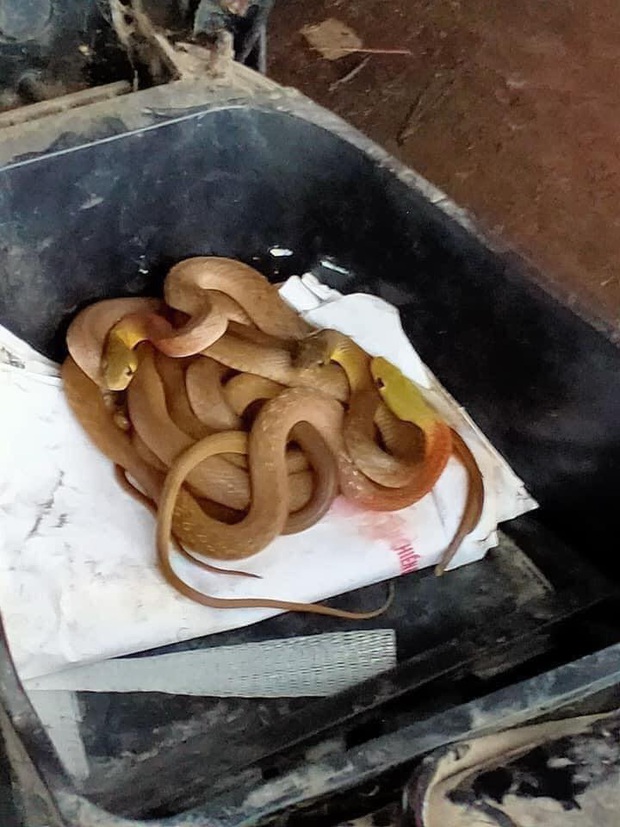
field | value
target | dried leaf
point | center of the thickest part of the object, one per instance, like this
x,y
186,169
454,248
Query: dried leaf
x,y
332,38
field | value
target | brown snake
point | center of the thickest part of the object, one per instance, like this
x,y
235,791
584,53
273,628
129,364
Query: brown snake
x,y
232,430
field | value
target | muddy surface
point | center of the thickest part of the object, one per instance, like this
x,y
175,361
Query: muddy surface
x,y
512,108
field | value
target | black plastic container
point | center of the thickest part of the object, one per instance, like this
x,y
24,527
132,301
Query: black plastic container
x,y
99,202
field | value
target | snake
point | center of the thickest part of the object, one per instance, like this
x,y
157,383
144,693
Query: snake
x,y
411,476
173,375
190,523
223,355
213,292
244,389
275,362
224,405
160,436
406,401
216,479
121,477
89,330
248,288
227,441
473,504
265,447
211,408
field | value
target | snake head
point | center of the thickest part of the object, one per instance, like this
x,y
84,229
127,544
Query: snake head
x,y
313,351
118,365
120,360
402,396
386,376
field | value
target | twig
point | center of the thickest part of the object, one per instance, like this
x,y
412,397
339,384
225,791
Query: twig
x,y
423,103
361,50
349,75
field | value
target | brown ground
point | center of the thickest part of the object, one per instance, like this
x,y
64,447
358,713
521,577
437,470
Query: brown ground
x,y
512,108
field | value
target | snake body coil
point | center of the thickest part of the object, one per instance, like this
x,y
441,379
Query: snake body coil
x,y
236,422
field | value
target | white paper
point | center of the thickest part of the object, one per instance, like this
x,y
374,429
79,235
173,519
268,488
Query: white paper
x,y
79,580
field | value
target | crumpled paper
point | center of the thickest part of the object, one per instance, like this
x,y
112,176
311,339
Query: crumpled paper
x,y
78,578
